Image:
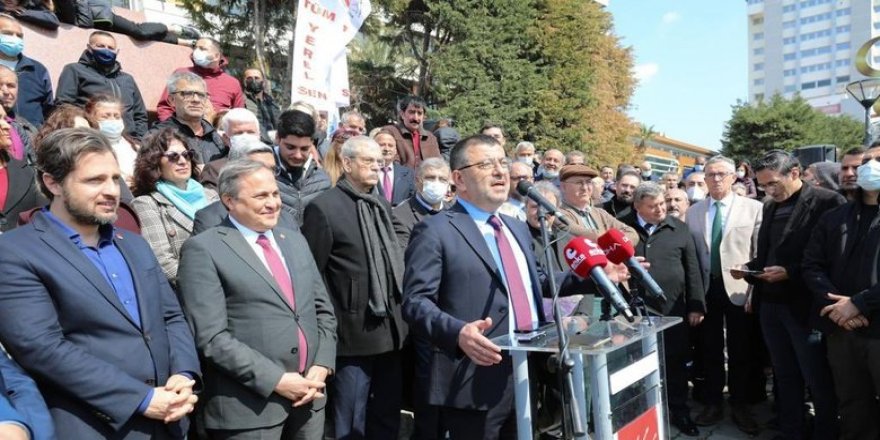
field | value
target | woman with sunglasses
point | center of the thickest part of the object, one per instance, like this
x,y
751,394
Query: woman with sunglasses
x,y
167,196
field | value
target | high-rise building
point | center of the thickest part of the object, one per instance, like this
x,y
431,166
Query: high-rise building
x,y
808,47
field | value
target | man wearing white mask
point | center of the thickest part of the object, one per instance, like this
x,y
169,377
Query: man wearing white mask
x,y
432,183
224,90
695,185
840,268
236,126
525,153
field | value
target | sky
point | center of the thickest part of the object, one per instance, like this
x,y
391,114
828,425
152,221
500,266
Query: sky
x,y
691,59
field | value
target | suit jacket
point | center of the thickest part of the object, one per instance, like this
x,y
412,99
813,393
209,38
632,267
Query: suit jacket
x,y
245,329
811,204
214,214
428,146
20,400
406,216
672,252
404,185
451,279
22,193
67,327
165,228
739,241
332,229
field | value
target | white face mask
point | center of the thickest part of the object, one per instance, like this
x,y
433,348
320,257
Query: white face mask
x,y
698,167
695,194
869,176
526,159
112,128
201,58
434,191
741,174
243,140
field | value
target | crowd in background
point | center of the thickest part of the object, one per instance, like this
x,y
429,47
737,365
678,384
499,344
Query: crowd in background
x,y
231,265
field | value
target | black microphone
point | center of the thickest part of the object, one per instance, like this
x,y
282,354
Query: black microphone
x,y
527,189
619,250
586,259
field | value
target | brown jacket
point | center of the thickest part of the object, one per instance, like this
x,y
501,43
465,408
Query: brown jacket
x,y
603,220
403,137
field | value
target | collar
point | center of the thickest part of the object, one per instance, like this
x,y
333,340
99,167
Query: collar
x,y
581,212
726,201
425,204
249,234
477,214
206,127
105,232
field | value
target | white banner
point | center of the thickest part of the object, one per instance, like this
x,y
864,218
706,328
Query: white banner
x,y
320,66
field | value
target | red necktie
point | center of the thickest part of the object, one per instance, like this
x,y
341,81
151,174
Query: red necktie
x,y
417,145
386,184
515,287
276,266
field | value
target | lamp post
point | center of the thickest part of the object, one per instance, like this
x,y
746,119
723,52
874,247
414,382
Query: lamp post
x,y
866,91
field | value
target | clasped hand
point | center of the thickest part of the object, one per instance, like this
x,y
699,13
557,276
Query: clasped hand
x,y
173,401
301,389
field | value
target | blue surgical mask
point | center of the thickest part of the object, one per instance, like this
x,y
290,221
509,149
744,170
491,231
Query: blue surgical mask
x,y
434,191
104,56
112,128
869,176
698,168
11,45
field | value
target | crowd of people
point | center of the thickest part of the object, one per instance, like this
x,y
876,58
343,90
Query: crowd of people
x,y
232,266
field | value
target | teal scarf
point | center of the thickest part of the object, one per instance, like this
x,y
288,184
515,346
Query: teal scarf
x,y
188,200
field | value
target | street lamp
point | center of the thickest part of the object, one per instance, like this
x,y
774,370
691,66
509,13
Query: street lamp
x,y
866,91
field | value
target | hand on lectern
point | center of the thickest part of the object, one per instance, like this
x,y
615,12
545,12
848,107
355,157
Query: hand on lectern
x,y
476,346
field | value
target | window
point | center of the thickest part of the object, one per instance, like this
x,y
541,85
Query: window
x,y
789,72
789,56
808,85
789,24
758,66
842,46
758,21
841,63
843,29
758,36
843,12
759,97
789,8
758,82
823,50
791,40
758,51
842,79
791,88
808,52
823,83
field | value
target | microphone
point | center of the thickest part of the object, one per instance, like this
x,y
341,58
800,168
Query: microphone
x,y
619,250
586,259
527,189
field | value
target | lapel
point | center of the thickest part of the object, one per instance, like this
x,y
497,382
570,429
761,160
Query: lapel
x,y
165,206
396,188
19,181
67,250
139,288
701,214
464,224
233,238
286,245
801,207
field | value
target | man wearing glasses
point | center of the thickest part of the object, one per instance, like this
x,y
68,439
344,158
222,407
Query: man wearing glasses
x,y
189,98
725,228
840,270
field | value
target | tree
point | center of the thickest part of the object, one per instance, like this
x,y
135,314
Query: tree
x,y
779,123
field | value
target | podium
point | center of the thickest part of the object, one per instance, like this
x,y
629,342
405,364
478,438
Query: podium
x,y
622,365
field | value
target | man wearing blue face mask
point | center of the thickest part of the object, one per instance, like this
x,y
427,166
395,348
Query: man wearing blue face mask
x,y
841,270
98,72
35,97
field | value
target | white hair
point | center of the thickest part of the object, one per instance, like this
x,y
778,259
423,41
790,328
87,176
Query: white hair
x,y
238,116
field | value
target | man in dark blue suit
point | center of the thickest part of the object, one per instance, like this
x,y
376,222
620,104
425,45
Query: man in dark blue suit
x,y
86,310
471,276
23,413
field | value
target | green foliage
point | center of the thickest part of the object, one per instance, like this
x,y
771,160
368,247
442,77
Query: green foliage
x,y
778,123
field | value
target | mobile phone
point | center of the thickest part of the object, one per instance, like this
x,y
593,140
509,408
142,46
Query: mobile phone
x,y
531,336
749,272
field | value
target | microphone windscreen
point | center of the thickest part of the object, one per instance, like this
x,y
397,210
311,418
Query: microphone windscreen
x,y
583,255
523,187
617,247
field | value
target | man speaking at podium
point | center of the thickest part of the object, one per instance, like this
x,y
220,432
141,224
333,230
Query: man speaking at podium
x,y
471,276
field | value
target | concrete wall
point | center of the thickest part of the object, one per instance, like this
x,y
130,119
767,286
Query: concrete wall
x,y
150,63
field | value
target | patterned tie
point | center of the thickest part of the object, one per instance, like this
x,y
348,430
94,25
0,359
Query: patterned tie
x,y
515,287
715,251
276,266
386,183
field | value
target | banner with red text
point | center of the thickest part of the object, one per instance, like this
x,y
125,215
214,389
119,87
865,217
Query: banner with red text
x,y
320,65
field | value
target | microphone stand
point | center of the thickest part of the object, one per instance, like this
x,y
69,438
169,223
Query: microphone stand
x,y
573,425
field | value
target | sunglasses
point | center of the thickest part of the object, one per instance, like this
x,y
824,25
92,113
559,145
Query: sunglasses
x,y
174,156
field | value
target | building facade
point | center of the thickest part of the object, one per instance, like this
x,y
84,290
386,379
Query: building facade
x,y
808,47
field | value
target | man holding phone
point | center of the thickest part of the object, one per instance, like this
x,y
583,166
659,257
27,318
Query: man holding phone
x,y
784,310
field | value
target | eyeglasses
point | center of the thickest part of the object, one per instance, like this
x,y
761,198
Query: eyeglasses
x,y
174,156
717,176
188,95
488,164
